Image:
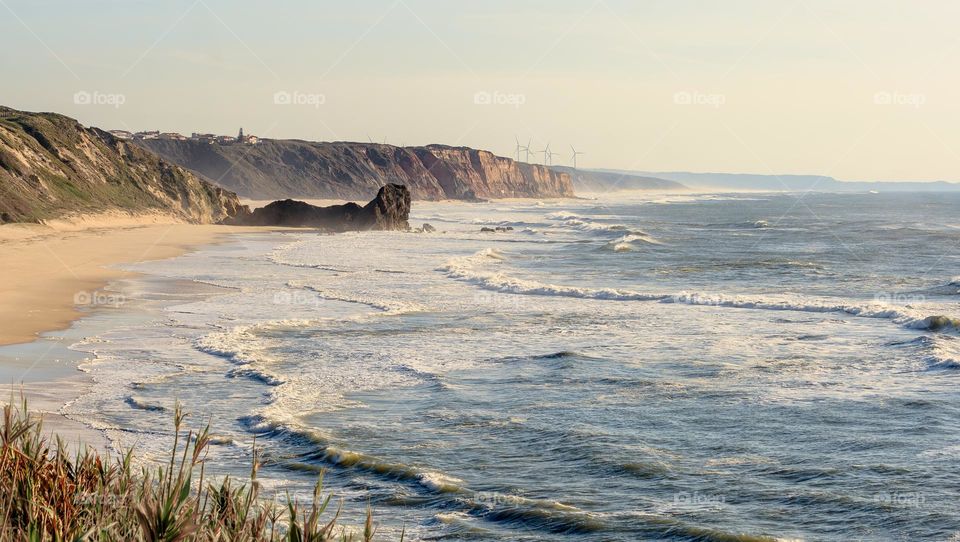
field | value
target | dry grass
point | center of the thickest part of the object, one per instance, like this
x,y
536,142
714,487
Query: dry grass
x,y
48,494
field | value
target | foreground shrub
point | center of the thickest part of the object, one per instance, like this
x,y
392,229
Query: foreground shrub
x,y
48,494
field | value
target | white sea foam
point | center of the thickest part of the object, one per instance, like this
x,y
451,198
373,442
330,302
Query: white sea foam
x,y
465,268
590,226
939,352
266,377
239,344
472,269
561,215
437,481
627,242
387,306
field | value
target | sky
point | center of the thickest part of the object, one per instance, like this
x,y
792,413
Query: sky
x,y
858,90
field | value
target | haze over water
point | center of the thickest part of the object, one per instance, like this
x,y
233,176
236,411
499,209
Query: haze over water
x,y
682,368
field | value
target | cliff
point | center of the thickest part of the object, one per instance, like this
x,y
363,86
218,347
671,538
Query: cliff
x,y
389,210
593,181
274,169
51,166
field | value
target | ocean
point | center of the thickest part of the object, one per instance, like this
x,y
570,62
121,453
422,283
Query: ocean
x,y
680,367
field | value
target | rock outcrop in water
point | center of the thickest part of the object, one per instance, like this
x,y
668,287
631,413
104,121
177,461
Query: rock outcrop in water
x,y
388,211
276,168
53,167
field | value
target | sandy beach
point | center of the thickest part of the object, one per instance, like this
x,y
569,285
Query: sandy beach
x,y
48,269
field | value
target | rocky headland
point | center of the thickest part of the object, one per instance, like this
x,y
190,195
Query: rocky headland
x,y
276,168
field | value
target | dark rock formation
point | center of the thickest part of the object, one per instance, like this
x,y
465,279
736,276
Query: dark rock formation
x,y
388,211
276,168
51,167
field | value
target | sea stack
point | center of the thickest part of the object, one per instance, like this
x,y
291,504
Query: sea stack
x,y
389,210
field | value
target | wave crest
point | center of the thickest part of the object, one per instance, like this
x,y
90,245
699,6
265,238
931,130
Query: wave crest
x,y
467,269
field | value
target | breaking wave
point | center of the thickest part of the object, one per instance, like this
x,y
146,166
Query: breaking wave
x,y
387,307
562,215
940,353
629,241
468,269
256,374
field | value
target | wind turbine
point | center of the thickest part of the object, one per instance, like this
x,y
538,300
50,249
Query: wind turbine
x,y
527,148
552,154
517,139
574,156
548,155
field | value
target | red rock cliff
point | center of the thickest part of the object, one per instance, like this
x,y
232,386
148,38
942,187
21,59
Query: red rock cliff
x,y
276,169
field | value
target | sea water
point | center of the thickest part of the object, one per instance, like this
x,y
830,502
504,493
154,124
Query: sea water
x,y
686,367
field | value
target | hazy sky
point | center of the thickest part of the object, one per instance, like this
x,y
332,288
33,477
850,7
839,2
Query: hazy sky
x,y
852,89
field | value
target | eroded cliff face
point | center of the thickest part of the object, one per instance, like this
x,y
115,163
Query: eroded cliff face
x,y
275,169
53,167
485,175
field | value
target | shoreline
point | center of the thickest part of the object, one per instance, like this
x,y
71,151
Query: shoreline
x,y
52,272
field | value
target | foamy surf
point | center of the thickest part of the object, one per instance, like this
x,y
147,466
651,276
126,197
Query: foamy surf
x,y
493,416
386,307
471,269
465,269
628,242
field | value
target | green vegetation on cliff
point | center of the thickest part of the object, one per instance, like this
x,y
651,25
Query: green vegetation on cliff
x,y
51,167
